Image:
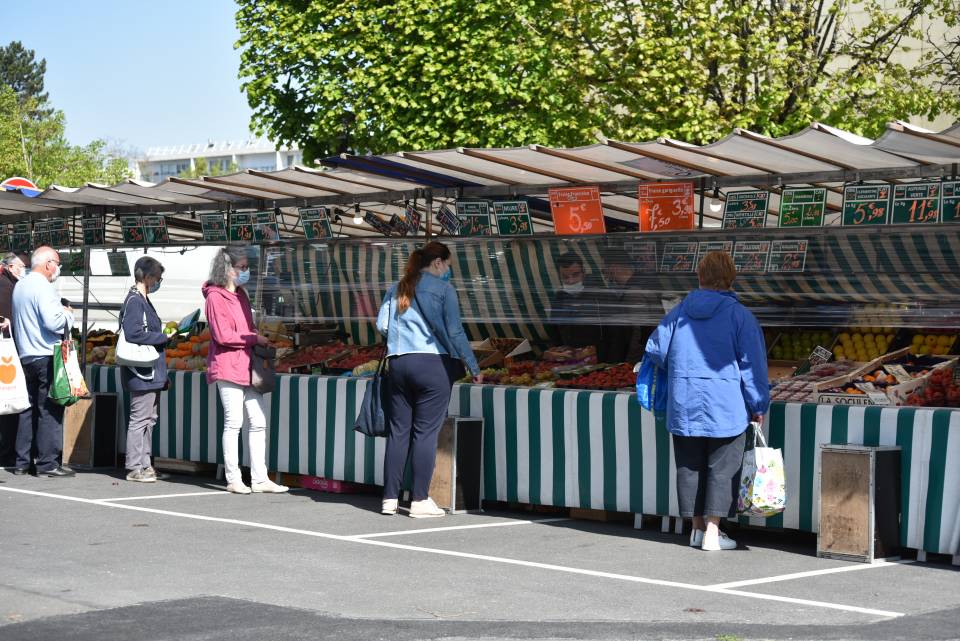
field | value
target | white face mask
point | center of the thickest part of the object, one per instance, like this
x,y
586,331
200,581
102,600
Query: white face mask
x,y
56,274
573,288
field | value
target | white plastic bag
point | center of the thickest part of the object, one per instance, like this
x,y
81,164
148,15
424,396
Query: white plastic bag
x,y
13,386
763,485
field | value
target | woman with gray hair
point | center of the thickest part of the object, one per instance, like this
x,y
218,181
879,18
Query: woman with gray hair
x,y
232,338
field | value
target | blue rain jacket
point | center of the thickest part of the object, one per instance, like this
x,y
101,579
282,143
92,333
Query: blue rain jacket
x,y
715,357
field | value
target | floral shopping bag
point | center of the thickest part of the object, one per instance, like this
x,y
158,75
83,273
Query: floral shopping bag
x,y
763,485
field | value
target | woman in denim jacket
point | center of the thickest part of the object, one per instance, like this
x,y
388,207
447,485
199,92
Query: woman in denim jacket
x,y
420,317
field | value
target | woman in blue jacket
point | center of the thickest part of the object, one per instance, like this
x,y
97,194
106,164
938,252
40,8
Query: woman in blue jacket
x,y
141,325
420,317
715,357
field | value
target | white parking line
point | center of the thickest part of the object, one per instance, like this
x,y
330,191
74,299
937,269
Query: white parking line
x,y
803,575
163,496
468,555
455,527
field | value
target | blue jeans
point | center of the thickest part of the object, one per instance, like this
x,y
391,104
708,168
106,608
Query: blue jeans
x,y
41,426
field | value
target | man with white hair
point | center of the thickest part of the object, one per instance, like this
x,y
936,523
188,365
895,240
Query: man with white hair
x,y
39,322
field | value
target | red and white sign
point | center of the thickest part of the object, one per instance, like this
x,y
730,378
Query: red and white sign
x,y
19,183
577,210
666,206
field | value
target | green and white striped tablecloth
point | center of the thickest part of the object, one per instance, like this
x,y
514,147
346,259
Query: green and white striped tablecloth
x,y
576,448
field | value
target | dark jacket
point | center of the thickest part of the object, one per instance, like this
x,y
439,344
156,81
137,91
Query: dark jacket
x,y
131,318
575,319
7,282
620,308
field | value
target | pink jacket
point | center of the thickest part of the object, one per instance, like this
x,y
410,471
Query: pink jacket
x,y
232,334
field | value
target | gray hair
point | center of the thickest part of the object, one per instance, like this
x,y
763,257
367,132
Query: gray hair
x,y
9,259
223,262
41,255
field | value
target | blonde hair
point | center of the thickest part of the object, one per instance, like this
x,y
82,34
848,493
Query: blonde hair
x,y
717,271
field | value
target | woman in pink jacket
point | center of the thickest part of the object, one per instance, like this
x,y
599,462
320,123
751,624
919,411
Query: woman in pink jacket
x,y
233,336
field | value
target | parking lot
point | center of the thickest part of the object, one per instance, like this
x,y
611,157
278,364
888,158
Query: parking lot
x,y
96,557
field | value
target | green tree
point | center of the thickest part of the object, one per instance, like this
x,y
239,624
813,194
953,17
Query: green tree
x,y
334,75
33,145
202,167
22,72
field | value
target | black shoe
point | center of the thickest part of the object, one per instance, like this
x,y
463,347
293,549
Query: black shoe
x,y
59,472
20,471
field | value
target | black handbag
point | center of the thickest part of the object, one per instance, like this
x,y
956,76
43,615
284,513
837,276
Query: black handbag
x,y
263,373
453,365
372,420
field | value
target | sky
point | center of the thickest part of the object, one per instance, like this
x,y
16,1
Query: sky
x,y
138,74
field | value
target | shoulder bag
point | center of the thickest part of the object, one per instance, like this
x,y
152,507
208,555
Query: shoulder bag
x,y
263,374
132,354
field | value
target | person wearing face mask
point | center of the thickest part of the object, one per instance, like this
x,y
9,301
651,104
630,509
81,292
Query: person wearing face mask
x,y
142,326
232,338
39,323
622,301
426,350
574,315
11,270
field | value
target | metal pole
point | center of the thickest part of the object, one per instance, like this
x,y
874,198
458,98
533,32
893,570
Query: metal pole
x,y
703,194
86,313
429,214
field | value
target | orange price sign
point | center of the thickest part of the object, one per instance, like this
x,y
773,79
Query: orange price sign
x,y
577,210
666,206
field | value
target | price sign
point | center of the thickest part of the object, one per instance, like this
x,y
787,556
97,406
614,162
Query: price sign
x,y
577,210
21,237
679,257
474,218
132,229
745,210
40,234
712,246
802,207
398,225
265,226
865,205
787,256
750,257
71,264
316,223
241,228
643,253
5,236
119,266
950,204
448,221
93,230
411,218
513,218
916,204
377,223
214,228
155,230
665,206
58,232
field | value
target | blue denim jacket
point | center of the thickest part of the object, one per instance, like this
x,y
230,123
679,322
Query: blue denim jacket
x,y
409,333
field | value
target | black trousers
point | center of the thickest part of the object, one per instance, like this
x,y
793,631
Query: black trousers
x,y
420,387
708,474
41,427
9,424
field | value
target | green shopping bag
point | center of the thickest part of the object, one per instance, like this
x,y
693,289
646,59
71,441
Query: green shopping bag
x,y
68,385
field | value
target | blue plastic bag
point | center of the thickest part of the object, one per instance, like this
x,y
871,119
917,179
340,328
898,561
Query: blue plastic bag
x,y
652,387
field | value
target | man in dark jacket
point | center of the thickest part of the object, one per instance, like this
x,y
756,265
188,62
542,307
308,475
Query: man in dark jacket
x,y
11,269
574,314
622,306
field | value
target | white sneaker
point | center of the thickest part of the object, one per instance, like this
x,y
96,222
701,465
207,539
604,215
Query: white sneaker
x,y
389,507
696,538
425,509
238,488
723,542
268,487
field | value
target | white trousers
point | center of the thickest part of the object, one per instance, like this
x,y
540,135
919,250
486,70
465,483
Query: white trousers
x,y
243,408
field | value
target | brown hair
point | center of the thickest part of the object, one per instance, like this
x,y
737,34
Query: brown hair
x,y
717,271
420,258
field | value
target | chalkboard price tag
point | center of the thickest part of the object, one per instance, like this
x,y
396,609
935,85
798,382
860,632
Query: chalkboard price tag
x,y
787,256
474,218
513,218
155,230
315,223
866,205
214,228
916,203
93,230
411,218
132,229
643,253
801,207
705,248
745,210
448,221
750,257
377,223
950,204
679,257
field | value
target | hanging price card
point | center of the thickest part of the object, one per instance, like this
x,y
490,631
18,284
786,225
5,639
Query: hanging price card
x,y
916,203
5,236
20,239
41,235
787,256
377,223
950,204
745,209
576,210
750,257
214,228
513,218
474,218
119,265
93,230
448,221
155,230
316,223
865,205
705,248
802,207
665,206
398,224
241,227
643,253
58,232
678,257
132,229
265,226
411,218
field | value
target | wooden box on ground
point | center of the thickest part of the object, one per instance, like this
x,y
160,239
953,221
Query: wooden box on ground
x,y
455,485
90,432
859,502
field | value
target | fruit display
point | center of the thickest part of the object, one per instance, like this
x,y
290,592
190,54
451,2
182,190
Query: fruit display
x,y
355,357
863,345
571,355
803,388
937,344
940,390
796,345
189,353
100,346
606,378
313,355
505,345
367,369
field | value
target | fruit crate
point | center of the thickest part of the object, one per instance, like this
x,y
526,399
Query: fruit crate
x,y
935,342
785,349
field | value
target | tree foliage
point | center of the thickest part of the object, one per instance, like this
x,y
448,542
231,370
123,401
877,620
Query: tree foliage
x,y
202,167
21,71
339,75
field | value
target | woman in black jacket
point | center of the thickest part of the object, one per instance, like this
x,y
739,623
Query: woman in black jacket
x,y
141,325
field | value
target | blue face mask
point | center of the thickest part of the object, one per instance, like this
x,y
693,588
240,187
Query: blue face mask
x,y
155,288
243,277
447,274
